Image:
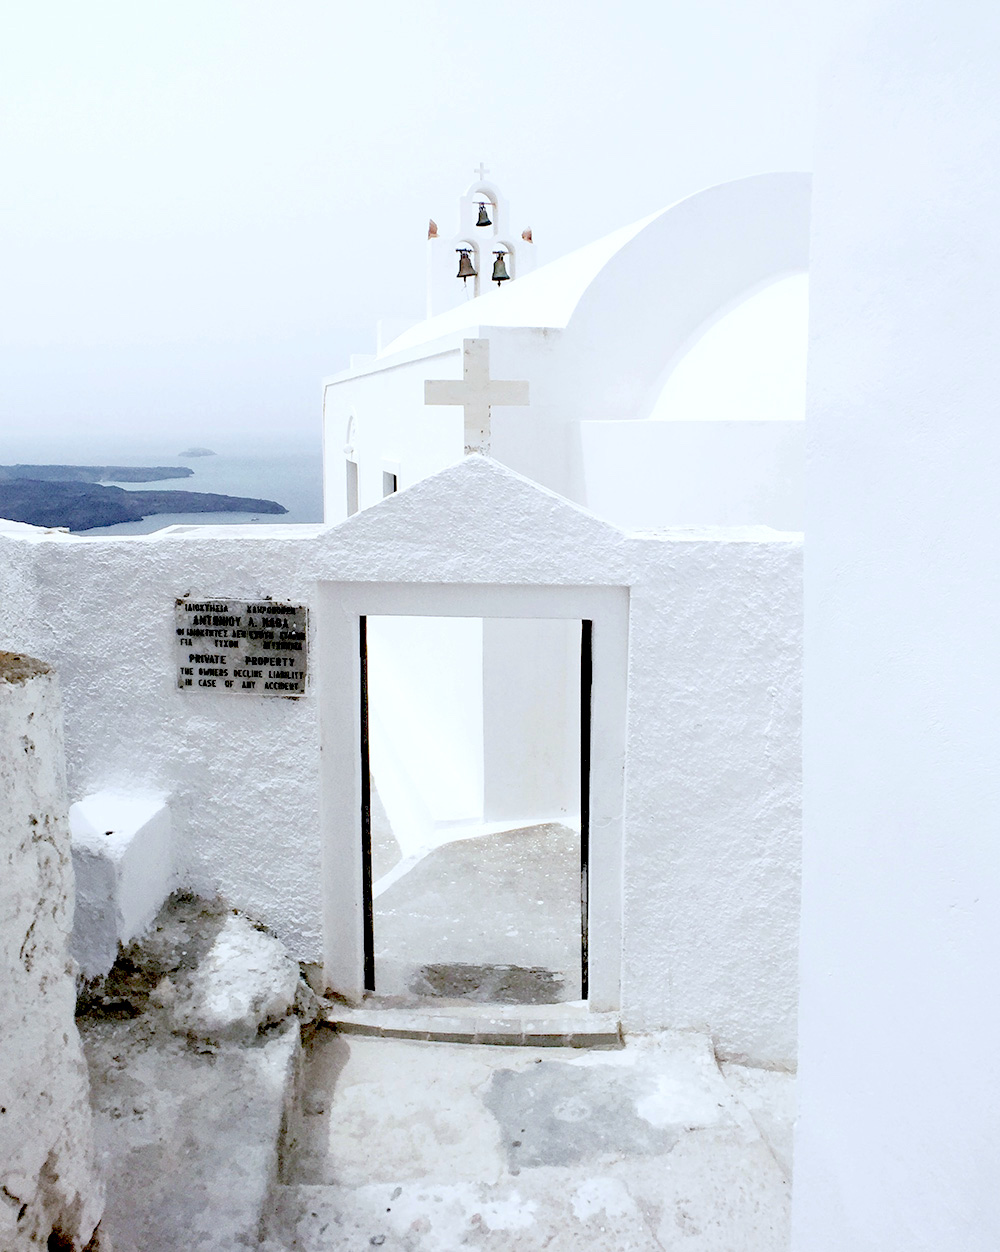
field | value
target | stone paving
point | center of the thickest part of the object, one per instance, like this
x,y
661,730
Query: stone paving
x,y
217,1140
433,1147
495,917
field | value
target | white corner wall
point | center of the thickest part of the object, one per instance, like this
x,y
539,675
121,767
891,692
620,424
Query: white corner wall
x,y
897,1141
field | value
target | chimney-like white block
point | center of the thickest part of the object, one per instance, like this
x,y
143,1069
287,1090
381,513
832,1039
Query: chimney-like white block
x,y
124,865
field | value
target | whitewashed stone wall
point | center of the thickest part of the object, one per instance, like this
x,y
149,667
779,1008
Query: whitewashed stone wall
x,y
711,822
50,1194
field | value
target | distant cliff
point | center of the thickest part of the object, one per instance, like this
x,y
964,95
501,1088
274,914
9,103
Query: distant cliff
x,y
84,505
95,473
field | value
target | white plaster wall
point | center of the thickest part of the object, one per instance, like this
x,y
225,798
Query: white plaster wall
x,y
713,790
712,776
896,1145
425,701
241,777
472,720
391,422
531,719
48,1170
650,474
749,366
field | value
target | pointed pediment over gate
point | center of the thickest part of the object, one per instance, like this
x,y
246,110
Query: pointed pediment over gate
x,y
478,521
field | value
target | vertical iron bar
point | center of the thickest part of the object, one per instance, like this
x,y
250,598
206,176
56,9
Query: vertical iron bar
x,y
586,689
366,815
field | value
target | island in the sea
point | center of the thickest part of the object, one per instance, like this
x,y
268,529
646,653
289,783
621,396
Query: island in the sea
x,y
196,452
95,473
71,496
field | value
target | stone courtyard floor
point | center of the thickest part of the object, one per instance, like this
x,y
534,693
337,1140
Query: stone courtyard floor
x,y
352,1142
417,1146
508,900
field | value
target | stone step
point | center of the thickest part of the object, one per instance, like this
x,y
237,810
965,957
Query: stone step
x,y
187,1133
538,1026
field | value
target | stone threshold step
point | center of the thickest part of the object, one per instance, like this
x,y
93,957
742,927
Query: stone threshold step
x,y
484,1023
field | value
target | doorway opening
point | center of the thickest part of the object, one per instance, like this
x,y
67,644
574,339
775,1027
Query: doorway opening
x,y
475,740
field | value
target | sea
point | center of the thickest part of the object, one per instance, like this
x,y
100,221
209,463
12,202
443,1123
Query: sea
x,y
289,471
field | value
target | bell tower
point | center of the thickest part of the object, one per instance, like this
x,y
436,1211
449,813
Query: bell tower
x,y
485,255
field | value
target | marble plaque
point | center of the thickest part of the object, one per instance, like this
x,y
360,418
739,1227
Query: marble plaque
x,y
242,647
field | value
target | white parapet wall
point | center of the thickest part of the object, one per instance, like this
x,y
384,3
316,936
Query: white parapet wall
x,y
50,1192
704,647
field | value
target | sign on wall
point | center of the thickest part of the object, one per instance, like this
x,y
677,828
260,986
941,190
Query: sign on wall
x,y
249,647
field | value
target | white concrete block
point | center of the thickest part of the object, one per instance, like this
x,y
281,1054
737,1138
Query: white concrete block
x,y
124,864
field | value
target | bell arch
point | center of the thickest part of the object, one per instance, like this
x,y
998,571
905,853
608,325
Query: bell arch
x,y
488,195
510,255
475,255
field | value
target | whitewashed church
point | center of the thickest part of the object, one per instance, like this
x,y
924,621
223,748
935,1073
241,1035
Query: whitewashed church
x,y
551,619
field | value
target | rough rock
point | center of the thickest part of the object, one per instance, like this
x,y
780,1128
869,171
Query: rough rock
x,y
246,981
50,1192
193,1051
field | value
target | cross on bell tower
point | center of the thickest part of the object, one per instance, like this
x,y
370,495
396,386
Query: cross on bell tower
x,y
476,392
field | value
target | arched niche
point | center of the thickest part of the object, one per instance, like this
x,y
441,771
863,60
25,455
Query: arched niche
x,y
472,286
352,484
489,195
510,256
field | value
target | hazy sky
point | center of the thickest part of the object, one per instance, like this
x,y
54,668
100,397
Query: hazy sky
x,y
206,205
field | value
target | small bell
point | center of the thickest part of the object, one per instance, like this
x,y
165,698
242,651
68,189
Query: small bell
x,y
484,217
500,274
465,266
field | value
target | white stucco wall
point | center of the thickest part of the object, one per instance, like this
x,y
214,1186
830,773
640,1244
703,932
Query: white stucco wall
x,y
425,704
710,823
649,474
49,1179
897,1142
531,722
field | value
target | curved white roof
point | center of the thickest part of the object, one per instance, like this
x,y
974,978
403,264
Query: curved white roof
x,y
748,366
546,297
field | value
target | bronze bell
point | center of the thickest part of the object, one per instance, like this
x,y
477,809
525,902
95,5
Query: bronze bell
x,y
484,217
465,266
500,274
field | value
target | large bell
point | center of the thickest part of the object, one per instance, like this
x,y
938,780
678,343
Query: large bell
x,y
465,267
500,274
484,217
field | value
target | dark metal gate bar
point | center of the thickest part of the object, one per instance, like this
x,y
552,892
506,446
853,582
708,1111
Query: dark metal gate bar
x,y
366,815
586,691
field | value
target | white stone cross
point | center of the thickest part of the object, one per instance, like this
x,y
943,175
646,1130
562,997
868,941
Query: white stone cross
x,y
476,392
481,172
